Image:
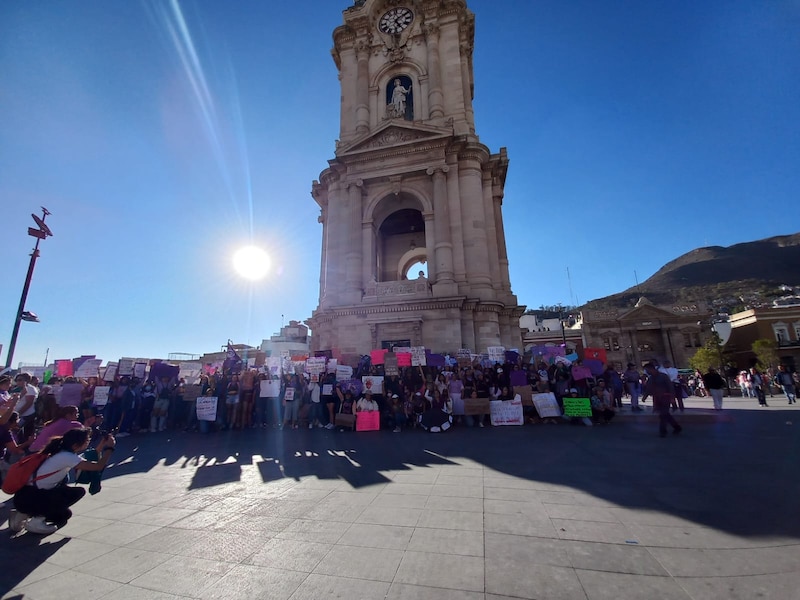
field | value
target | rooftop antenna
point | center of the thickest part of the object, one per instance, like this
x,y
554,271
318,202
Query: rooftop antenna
x,y
636,279
571,295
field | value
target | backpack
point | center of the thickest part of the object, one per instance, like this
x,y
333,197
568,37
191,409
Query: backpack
x,y
23,471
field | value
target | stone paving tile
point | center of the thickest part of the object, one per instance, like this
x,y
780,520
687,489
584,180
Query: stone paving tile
x,y
532,581
434,570
205,520
451,519
123,564
387,500
246,582
689,562
691,537
79,525
155,497
619,586
581,513
261,523
42,571
77,552
327,532
519,525
131,592
590,531
459,480
377,536
415,477
513,494
158,515
361,563
407,517
423,489
350,498
512,507
454,503
782,586
526,550
115,511
68,584
447,541
334,511
323,587
167,540
631,559
119,533
457,491
228,547
182,575
291,555
405,591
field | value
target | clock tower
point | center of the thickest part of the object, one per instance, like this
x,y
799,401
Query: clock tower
x,y
411,184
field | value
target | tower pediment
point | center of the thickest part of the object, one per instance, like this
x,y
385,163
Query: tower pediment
x,y
646,312
393,135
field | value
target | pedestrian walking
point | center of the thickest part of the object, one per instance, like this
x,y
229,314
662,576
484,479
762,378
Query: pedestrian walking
x,y
715,385
660,387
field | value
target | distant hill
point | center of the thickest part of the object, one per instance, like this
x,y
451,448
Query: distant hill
x,y
747,274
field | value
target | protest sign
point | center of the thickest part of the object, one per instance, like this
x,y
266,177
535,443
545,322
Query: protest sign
x,y
526,393
476,406
354,386
418,358
274,365
373,384
390,367
435,360
594,365
139,370
403,359
343,372
315,365
464,362
577,407
497,354
64,368
191,393
56,391
70,394
376,356
595,354
327,389
190,372
88,368
207,408
546,405
288,394
368,420
518,378
506,412
110,372
580,372
269,388
101,395
332,364
125,366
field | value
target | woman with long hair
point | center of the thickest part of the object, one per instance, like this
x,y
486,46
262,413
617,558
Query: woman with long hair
x,y
67,419
42,506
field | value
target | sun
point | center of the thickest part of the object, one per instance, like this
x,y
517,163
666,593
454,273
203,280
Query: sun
x,y
251,262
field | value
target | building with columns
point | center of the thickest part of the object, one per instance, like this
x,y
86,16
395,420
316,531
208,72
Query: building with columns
x,y
411,183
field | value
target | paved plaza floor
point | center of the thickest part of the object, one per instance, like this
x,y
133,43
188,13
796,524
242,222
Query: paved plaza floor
x,y
548,512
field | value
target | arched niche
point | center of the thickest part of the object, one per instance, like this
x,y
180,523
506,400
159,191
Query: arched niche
x,y
400,241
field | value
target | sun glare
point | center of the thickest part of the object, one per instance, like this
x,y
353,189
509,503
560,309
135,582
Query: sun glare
x,y
251,262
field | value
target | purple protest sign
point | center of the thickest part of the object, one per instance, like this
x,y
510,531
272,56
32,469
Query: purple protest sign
x,y
518,378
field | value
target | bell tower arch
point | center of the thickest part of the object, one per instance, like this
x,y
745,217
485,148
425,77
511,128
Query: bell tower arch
x,y
411,184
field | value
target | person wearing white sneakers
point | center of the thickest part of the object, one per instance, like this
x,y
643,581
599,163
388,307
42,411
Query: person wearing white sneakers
x,y
42,506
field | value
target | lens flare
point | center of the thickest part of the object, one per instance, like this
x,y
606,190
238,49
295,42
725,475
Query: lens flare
x,y
251,262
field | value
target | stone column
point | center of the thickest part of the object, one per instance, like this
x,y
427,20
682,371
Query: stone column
x,y
430,245
336,251
491,231
443,247
367,254
466,60
352,235
435,97
362,88
454,221
323,264
476,254
497,199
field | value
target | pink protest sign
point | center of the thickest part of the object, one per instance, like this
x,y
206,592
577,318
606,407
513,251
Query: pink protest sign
x,y
376,356
64,368
403,359
368,421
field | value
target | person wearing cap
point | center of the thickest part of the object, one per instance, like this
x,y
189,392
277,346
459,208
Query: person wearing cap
x,y
366,403
660,388
633,382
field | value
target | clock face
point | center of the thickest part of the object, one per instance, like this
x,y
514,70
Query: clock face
x,y
395,20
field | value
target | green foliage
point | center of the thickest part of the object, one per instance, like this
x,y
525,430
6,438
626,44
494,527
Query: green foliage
x,y
707,356
766,352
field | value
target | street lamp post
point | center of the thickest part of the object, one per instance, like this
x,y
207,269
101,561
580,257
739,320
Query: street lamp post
x,y
41,233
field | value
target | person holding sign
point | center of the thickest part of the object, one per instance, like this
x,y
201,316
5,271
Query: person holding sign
x,y
660,387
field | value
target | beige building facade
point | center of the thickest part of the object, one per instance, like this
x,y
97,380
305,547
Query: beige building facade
x,y
411,183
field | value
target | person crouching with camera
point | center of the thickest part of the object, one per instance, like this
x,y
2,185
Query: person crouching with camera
x,y
42,506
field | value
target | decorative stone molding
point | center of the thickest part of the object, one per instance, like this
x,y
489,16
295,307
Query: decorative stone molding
x,y
393,136
388,289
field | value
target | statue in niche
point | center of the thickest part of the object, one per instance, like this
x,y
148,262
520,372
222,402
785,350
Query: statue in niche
x,y
399,106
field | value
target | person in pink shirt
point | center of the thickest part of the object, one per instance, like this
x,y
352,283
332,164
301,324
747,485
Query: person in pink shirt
x,y
67,419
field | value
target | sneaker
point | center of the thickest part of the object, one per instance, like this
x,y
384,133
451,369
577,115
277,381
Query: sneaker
x,y
311,426
397,429
122,434
330,426
38,525
480,424
17,520
320,426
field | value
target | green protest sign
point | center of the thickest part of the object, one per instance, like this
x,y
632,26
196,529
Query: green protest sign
x,y
577,407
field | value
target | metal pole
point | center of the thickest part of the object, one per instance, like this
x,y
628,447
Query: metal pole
x,y
21,309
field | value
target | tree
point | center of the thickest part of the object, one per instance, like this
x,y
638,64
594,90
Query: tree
x,y
708,356
766,352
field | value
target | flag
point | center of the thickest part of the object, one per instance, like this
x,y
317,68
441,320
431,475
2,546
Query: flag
x,y
233,362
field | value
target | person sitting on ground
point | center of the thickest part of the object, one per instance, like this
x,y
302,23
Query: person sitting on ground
x,y
42,506
67,419
397,413
602,408
366,403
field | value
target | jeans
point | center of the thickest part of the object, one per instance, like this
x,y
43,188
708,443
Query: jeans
x,y
52,504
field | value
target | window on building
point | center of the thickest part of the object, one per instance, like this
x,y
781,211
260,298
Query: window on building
x,y
797,331
782,335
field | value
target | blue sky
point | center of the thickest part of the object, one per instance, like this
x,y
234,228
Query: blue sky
x,y
162,140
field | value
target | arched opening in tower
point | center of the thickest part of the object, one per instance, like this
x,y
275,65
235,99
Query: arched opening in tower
x,y
402,253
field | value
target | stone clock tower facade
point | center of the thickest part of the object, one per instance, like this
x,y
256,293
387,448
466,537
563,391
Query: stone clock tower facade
x,y
411,183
